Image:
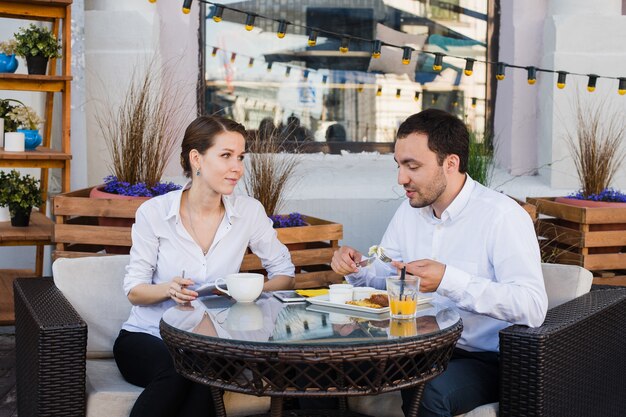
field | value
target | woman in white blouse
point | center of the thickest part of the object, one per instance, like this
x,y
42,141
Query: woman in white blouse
x,y
185,239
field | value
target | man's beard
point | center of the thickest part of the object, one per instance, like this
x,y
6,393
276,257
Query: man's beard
x,y
431,194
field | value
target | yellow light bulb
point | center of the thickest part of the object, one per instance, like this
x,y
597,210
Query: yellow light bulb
x,y
379,92
621,92
406,61
376,55
280,35
437,67
560,86
468,72
186,10
343,49
312,42
591,89
249,27
152,1
500,77
215,18
532,81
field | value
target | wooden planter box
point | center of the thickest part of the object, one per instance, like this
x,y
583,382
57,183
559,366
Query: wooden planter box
x,y
594,238
77,234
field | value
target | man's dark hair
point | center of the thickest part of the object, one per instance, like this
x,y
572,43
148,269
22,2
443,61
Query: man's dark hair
x,y
447,134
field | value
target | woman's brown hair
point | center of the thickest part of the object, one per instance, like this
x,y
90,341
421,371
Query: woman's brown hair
x,y
200,135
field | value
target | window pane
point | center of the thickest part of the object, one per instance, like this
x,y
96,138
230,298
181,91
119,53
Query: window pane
x,y
334,91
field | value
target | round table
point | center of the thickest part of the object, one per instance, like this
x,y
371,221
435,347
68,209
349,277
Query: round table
x,y
300,350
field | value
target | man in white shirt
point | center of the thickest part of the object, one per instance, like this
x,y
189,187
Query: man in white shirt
x,y
474,248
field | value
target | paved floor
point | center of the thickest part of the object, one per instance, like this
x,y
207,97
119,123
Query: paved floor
x,y
8,400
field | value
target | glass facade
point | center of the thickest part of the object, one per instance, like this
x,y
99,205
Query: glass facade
x,y
333,90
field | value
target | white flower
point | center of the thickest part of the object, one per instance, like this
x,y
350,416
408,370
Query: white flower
x,y
26,117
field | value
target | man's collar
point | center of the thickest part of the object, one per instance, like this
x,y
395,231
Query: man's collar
x,y
456,206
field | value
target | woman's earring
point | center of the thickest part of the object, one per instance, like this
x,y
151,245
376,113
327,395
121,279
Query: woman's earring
x,y
197,172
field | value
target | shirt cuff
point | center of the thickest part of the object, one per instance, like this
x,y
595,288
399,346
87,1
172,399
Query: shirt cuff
x,y
454,283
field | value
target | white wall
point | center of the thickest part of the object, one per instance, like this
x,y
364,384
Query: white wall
x,y
532,121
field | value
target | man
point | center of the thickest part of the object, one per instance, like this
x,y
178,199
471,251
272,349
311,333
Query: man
x,y
474,248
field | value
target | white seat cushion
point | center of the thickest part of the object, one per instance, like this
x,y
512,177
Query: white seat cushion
x,y
93,285
565,282
109,395
390,405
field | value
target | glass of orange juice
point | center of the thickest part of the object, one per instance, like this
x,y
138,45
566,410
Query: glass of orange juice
x,y
403,296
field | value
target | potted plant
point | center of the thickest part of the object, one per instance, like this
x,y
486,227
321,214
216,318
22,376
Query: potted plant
x,y
37,44
20,194
8,61
588,228
28,120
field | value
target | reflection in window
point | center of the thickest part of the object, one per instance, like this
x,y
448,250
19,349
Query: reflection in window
x,y
318,94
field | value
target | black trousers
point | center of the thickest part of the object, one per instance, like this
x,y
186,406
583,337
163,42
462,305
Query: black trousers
x,y
145,361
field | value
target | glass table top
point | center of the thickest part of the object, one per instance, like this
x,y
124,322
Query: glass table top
x,y
270,321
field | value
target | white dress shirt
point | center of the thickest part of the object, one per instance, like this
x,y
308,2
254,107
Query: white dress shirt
x,y
493,267
162,249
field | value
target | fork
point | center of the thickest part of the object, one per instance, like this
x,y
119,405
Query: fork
x,y
368,261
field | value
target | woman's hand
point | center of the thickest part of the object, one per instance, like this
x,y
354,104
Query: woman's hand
x,y
178,291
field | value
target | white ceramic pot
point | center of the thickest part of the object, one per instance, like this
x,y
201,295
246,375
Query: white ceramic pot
x,y
14,142
4,214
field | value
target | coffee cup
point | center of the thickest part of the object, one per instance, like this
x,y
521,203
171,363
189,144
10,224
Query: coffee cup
x,y
243,287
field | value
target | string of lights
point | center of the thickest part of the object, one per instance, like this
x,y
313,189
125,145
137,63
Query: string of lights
x,y
407,51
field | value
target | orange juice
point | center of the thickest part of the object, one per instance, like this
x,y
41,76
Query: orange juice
x,y
404,307
402,328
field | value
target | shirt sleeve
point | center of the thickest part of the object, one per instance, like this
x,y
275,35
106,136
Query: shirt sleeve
x,y
144,250
518,293
264,243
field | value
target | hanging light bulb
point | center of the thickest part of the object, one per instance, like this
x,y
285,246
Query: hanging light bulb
x,y
214,52
312,38
305,74
251,63
324,79
233,56
359,88
560,82
591,84
379,91
152,1
438,65
376,46
219,11
282,29
474,100
398,92
532,75
250,17
416,97
407,51
435,98
345,44
469,66
186,6
621,89
287,71
269,66
500,69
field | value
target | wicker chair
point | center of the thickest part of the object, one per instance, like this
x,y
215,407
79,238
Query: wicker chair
x,y
573,365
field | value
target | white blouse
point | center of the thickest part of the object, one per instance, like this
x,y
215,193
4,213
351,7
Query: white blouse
x,y
162,249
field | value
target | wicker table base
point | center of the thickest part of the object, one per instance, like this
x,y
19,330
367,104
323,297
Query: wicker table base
x,y
303,370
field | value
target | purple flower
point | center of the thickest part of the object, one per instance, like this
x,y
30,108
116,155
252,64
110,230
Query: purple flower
x,y
608,194
287,220
113,186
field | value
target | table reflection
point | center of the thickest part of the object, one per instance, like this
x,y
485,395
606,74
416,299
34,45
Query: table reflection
x,y
268,320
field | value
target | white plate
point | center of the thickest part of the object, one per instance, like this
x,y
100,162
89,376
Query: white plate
x,y
322,300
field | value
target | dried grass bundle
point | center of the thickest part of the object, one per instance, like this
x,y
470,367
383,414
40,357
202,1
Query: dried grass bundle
x,y
596,145
142,132
270,170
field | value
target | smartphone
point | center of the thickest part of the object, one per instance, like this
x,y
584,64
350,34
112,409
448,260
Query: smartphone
x,y
289,296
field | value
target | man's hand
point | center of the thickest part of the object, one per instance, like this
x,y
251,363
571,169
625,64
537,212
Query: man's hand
x,y
430,272
345,259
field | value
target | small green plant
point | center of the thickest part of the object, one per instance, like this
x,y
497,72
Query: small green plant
x,y
5,108
480,161
8,47
19,193
36,40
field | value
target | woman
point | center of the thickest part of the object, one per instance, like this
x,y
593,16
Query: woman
x,y
188,238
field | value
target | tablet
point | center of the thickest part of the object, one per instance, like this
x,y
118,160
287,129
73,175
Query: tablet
x,y
289,296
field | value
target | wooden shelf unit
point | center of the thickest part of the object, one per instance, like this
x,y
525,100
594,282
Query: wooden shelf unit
x,y
58,12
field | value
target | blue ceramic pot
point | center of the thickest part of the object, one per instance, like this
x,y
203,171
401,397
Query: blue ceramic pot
x,y
32,138
8,63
